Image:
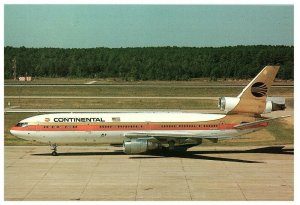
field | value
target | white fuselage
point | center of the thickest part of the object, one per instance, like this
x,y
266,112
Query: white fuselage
x,y
112,128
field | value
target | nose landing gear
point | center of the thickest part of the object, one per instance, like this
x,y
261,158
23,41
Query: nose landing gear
x,y
54,148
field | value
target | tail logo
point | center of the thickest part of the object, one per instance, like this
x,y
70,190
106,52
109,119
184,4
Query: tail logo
x,y
259,89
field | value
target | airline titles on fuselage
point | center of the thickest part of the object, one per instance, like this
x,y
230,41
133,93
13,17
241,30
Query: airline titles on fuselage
x,y
77,119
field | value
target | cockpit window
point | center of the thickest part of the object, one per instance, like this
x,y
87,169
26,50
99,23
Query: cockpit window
x,y
22,124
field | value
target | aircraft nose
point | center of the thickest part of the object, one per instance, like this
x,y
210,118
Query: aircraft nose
x,y
12,131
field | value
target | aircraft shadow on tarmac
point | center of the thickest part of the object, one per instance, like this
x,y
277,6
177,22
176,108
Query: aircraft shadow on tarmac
x,y
190,154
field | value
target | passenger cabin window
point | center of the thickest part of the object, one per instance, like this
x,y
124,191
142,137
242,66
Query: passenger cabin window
x,y
22,124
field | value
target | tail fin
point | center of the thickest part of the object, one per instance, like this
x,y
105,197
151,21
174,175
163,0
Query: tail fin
x,y
253,98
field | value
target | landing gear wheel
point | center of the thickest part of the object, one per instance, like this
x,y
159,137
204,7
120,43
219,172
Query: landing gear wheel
x,y
54,148
54,153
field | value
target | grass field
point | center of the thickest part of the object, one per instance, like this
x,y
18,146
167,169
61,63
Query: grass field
x,y
136,91
112,103
185,104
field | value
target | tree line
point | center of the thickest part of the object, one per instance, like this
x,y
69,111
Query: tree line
x,y
149,63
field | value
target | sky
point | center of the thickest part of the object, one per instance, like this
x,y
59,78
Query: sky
x,y
114,26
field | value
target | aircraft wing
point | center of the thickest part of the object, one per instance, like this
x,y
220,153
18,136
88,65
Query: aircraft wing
x,y
157,136
139,135
251,124
164,135
154,136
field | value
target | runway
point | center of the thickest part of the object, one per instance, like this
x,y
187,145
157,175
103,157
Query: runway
x,y
105,173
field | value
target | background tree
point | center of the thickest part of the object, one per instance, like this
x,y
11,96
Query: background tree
x,y
151,63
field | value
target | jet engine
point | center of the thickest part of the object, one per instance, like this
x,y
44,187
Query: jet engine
x,y
228,103
272,103
136,146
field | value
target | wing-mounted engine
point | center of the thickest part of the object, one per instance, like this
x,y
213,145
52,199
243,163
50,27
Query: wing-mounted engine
x,y
142,145
136,146
227,104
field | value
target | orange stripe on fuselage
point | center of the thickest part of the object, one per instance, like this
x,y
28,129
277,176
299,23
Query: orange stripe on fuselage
x,y
129,127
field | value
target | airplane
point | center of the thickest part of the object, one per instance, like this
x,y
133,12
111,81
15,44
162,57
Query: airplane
x,y
140,132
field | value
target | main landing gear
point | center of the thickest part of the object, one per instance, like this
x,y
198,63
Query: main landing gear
x,y
171,145
54,148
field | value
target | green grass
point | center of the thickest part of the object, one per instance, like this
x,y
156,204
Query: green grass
x,y
283,133
112,103
127,91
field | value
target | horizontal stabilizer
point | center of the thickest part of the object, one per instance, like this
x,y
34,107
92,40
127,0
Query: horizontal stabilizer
x,y
250,124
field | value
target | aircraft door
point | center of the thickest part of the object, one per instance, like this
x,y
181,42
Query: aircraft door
x,y
34,129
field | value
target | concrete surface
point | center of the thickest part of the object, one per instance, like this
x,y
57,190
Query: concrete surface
x,y
105,173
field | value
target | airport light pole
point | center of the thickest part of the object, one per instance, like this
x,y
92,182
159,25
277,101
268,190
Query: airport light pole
x,y
14,67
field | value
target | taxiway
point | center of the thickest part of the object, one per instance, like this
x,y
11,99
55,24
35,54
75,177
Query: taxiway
x,y
105,173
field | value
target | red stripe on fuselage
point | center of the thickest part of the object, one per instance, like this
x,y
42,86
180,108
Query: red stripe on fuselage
x,y
129,127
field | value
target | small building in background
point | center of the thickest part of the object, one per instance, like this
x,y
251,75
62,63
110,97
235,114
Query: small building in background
x,y
23,78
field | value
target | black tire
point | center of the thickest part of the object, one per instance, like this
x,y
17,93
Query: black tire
x,y
54,153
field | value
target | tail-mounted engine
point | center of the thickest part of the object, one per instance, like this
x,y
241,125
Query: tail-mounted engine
x,y
228,103
272,104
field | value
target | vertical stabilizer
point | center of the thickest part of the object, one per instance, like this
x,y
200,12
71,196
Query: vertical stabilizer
x,y
253,98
